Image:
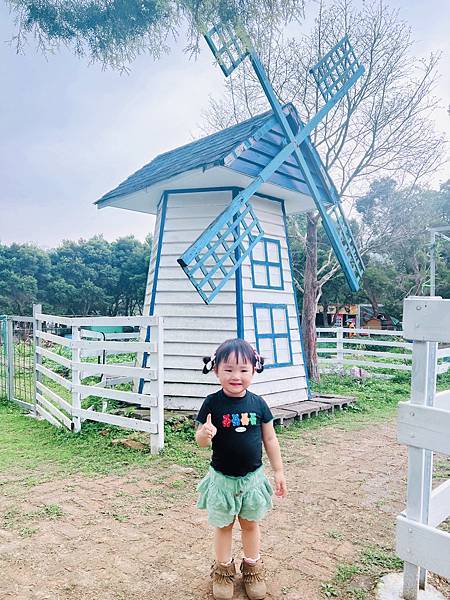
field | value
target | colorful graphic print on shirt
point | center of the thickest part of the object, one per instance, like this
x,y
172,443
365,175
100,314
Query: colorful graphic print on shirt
x,y
239,419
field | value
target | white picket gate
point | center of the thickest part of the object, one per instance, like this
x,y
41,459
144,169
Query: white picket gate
x,y
72,354
424,426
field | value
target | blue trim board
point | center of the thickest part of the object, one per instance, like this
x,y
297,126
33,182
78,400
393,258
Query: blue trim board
x,y
163,203
295,298
225,188
239,292
267,263
273,336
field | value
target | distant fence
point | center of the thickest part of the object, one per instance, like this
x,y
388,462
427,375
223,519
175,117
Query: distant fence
x,y
383,349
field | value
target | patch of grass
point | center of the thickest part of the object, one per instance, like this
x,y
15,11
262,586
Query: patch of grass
x,y
178,483
26,532
345,572
329,591
377,558
442,468
36,451
355,580
357,593
10,518
48,511
120,517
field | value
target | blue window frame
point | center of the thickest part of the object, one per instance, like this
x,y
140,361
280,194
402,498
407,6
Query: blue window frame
x,y
273,339
267,270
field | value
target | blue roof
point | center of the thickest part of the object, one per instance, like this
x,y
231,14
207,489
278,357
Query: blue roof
x,y
207,151
244,148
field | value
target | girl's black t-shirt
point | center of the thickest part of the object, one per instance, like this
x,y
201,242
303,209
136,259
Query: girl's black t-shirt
x,y
237,445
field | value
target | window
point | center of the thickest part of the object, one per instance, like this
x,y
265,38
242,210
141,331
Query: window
x,y
267,270
273,340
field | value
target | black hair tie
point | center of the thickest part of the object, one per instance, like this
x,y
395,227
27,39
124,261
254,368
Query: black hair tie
x,y
209,362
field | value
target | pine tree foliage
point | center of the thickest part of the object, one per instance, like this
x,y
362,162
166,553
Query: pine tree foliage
x,y
115,32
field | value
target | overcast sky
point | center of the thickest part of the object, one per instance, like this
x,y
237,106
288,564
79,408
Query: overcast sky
x,y
70,132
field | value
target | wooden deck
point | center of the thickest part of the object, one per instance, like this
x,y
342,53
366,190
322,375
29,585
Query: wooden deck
x,y
287,413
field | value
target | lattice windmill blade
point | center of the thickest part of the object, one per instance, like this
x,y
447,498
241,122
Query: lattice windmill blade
x,y
221,248
228,47
337,71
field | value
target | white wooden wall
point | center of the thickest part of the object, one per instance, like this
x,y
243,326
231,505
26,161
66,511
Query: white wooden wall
x,y
281,384
194,329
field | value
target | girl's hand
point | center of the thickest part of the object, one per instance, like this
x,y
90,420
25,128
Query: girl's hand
x,y
208,428
280,484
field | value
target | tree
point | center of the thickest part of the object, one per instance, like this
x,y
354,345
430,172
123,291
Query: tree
x,y
130,259
382,127
395,232
116,32
24,276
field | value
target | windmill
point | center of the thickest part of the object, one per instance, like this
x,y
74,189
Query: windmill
x,y
236,231
221,206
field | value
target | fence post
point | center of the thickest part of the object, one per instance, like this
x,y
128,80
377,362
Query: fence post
x,y
76,378
415,496
157,412
428,457
37,326
10,355
340,346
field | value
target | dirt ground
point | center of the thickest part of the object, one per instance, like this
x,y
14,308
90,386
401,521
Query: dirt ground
x,y
139,536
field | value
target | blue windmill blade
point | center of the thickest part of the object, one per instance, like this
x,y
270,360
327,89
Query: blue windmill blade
x,y
334,222
227,46
336,73
221,249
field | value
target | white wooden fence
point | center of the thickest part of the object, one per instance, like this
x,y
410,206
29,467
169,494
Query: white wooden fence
x,y
424,426
66,375
342,346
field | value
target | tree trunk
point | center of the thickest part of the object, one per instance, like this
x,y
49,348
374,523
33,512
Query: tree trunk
x,y
309,298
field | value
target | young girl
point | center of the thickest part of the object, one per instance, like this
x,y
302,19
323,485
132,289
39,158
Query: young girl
x,y
237,422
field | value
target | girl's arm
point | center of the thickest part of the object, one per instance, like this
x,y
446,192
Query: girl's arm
x,y
205,433
272,448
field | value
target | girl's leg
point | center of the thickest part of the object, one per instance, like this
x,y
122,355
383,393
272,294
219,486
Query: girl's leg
x,y
223,538
251,537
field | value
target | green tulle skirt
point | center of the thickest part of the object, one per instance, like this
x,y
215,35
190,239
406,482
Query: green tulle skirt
x,y
225,497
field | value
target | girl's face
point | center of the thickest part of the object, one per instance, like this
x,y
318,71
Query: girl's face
x,y
234,376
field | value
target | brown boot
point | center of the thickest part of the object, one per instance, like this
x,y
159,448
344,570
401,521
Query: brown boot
x,y
223,577
254,579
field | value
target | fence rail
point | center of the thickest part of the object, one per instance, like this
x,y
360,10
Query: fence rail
x,y
342,346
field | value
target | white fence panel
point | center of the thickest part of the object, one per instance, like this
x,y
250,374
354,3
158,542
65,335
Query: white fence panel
x,y
424,426
71,363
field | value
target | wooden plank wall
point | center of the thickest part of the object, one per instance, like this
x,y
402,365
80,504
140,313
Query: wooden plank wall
x,y
191,328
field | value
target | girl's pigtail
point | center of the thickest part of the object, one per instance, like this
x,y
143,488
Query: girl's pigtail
x,y
209,362
259,363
